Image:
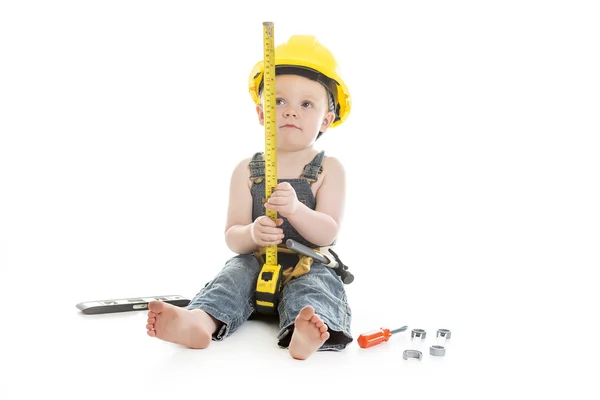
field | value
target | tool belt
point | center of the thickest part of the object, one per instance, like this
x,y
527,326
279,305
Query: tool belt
x,y
301,268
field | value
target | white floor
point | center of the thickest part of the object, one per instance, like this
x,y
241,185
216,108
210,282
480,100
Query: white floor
x,y
498,349
62,352
472,162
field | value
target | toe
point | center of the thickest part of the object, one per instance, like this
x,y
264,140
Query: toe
x,y
307,313
156,306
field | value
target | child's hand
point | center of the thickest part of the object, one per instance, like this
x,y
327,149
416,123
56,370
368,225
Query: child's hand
x,y
265,232
283,200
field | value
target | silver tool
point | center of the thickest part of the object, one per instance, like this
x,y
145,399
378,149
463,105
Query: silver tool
x,y
131,304
439,349
328,258
417,335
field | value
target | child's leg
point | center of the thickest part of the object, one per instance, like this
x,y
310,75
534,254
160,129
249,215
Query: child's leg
x,y
312,306
215,312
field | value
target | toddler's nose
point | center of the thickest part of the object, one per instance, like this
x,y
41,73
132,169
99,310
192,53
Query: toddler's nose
x,y
289,112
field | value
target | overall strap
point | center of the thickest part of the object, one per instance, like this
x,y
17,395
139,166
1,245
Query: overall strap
x,y
257,167
314,168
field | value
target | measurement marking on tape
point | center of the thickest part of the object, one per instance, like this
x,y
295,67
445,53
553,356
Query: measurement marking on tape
x,y
270,126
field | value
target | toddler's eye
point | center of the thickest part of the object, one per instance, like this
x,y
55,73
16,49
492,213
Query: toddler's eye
x,y
279,102
306,104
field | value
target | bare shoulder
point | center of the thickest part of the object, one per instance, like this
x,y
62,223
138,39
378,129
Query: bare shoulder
x,y
333,166
241,172
330,195
243,166
333,178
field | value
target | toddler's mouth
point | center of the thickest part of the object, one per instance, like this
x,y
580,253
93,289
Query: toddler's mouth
x,y
289,126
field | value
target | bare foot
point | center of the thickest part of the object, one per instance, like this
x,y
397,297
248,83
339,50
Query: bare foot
x,y
309,334
190,328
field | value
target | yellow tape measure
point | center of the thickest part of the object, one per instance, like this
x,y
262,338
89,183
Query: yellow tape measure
x,y
270,109
268,283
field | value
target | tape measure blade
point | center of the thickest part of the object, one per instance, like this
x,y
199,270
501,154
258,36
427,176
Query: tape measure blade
x,y
269,111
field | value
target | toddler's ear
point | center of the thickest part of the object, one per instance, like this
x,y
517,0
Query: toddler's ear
x,y
327,121
261,114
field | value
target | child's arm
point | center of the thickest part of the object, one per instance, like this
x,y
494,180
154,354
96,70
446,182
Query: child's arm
x,y
319,226
239,213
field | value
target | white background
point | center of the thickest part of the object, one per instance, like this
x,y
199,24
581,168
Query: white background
x,y
473,189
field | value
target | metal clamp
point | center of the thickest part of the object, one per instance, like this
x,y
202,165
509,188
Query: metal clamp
x,y
439,349
417,336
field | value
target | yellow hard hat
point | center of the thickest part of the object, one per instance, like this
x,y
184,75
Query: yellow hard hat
x,y
304,55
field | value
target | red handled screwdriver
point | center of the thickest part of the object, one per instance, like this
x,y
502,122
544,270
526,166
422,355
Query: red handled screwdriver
x,y
377,336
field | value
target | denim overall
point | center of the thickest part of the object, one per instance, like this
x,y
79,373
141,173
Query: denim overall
x,y
229,297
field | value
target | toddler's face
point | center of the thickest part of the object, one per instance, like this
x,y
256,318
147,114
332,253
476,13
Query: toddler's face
x,y
302,111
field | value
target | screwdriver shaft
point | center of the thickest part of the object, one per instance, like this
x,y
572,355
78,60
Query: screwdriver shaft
x,y
405,327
